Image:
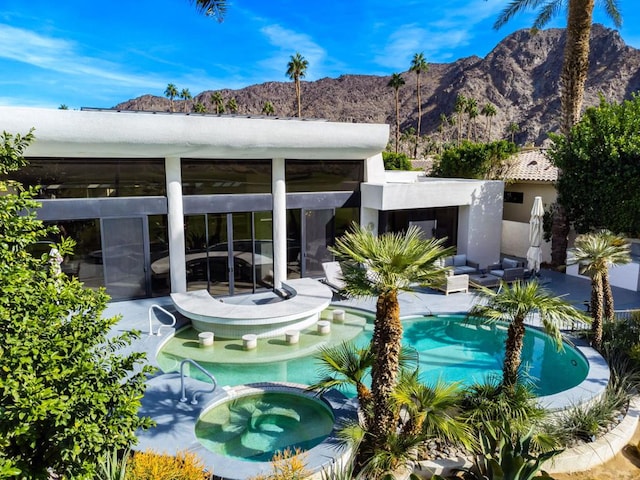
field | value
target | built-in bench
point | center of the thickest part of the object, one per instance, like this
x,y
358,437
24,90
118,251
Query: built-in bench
x,y
307,299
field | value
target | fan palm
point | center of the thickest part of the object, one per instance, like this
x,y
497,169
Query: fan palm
x,y
418,66
514,304
297,69
459,108
185,95
575,68
211,8
171,92
218,102
396,82
232,105
268,108
595,253
381,266
489,111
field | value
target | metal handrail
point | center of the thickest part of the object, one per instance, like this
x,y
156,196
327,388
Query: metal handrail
x,y
173,323
194,401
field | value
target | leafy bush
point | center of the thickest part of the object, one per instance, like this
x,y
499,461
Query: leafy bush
x,y
475,160
600,162
396,161
159,466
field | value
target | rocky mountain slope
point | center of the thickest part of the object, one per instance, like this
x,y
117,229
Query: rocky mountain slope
x,y
520,76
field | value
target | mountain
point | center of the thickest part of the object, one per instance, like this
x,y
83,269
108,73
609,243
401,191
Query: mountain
x,y
520,76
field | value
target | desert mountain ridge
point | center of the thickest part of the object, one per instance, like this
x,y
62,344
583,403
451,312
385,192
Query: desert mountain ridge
x,y
520,76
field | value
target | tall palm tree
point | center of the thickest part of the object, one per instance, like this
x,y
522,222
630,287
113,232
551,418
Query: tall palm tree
x,y
459,108
381,266
185,95
418,66
297,69
396,82
268,108
595,253
171,92
575,68
217,101
489,111
232,105
513,129
514,304
211,8
471,109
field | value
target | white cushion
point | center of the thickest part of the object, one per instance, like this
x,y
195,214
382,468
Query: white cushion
x,y
459,260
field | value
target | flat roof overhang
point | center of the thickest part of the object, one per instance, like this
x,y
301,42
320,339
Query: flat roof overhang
x,y
86,134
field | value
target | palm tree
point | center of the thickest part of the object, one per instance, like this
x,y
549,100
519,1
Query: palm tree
x,y
63,106
396,82
381,266
471,109
418,66
296,69
514,304
199,107
232,105
575,68
268,108
513,129
459,108
185,95
595,253
218,102
171,92
211,8
489,111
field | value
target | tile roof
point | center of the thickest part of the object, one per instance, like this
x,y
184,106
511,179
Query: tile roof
x,y
533,165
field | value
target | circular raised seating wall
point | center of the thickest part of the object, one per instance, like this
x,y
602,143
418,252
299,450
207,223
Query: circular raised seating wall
x,y
301,310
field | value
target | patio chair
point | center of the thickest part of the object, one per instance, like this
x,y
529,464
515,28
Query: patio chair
x,y
333,276
454,283
509,270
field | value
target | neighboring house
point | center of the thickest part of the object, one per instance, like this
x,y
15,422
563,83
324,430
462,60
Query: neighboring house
x,y
161,202
532,175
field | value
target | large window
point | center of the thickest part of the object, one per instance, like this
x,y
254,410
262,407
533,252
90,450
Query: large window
x,y
211,177
324,175
94,177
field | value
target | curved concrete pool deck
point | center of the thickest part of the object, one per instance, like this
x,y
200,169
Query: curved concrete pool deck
x,y
175,430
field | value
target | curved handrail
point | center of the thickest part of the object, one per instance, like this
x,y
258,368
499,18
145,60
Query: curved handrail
x,y
194,401
173,323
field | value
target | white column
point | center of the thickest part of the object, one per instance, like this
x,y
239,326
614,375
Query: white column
x,y
175,217
279,194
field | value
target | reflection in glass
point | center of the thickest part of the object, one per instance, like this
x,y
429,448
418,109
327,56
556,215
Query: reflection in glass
x,y
324,175
94,177
210,176
123,257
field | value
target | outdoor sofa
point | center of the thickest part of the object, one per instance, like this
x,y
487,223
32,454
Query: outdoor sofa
x,y
509,270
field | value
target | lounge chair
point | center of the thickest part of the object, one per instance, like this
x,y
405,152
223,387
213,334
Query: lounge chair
x,y
333,276
454,283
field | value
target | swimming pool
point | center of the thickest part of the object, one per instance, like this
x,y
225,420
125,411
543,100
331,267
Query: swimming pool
x,y
450,347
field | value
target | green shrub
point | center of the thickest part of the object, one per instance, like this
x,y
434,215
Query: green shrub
x,y
396,161
475,160
150,465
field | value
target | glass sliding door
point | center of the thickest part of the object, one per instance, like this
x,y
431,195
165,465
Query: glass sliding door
x,y
124,257
318,232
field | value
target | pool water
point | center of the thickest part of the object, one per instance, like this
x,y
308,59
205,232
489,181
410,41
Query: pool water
x,y
255,427
451,348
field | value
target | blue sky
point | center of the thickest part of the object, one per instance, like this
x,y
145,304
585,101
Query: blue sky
x,y
98,54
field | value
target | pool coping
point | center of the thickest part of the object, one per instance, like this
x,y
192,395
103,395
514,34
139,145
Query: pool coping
x,y
175,429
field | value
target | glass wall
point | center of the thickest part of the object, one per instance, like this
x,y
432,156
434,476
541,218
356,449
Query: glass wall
x,y
94,177
324,175
211,177
444,222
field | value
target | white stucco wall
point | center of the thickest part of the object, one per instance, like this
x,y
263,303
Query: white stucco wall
x,y
515,240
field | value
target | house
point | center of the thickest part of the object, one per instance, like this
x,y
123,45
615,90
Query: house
x,y
166,202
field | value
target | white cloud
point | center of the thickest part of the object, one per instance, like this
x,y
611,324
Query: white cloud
x,y
62,56
287,43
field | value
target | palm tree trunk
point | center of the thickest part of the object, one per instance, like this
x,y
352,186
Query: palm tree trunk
x,y
513,350
559,237
609,312
386,346
597,301
415,149
397,120
298,97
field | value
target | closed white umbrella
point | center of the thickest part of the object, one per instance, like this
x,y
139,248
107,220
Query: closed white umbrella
x,y
534,254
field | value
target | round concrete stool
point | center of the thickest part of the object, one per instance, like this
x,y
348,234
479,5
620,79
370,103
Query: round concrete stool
x,y
292,336
324,327
249,341
338,316
205,339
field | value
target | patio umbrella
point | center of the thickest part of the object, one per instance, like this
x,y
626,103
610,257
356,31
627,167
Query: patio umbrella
x,y
534,254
